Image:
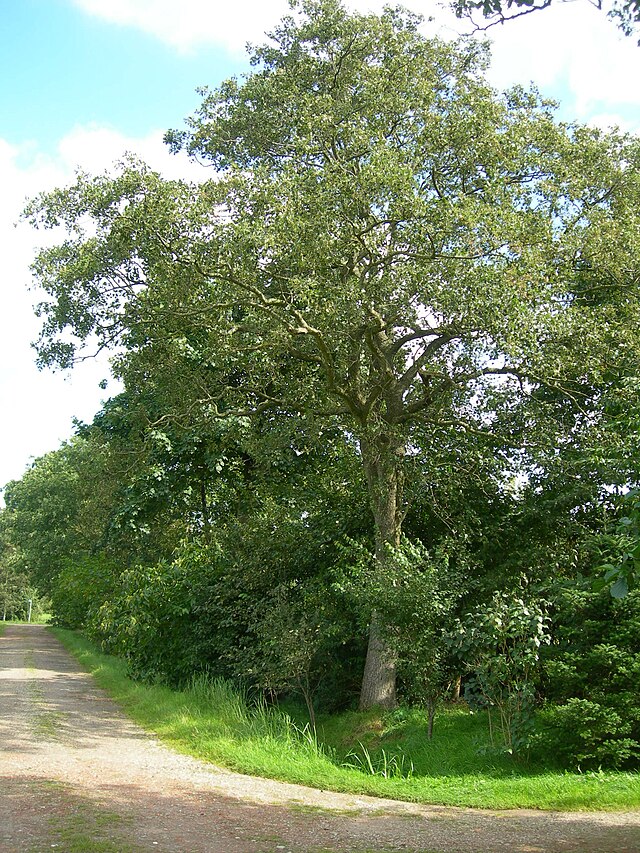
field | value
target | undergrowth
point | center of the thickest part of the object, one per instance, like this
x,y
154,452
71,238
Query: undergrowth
x,y
385,755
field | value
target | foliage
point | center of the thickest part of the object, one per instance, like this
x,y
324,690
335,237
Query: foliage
x,y
19,599
168,472
82,586
41,511
498,644
591,673
622,549
296,636
58,511
15,592
148,619
15,586
251,604
586,734
415,598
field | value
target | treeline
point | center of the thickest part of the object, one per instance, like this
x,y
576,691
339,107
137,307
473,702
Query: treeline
x,y
380,408
238,555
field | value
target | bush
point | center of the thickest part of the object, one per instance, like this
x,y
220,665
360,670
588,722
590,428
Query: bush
x,y
591,677
498,645
149,621
587,735
199,614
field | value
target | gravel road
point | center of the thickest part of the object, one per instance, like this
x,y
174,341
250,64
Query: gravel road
x,y
76,776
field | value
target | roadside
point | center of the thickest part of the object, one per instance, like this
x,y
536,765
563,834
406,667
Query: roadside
x,y
76,775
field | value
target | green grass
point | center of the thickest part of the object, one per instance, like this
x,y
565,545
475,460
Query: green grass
x,y
36,619
79,825
213,722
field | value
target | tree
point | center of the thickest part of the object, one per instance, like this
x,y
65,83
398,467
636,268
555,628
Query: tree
x,y
416,602
590,678
167,472
626,13
296,637
498,645
15,589
47,519
388,250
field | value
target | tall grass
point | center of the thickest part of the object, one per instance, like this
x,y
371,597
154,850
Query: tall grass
x,y
386,756
239,718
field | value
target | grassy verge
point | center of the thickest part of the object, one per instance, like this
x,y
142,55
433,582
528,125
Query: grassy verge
x,y
211,721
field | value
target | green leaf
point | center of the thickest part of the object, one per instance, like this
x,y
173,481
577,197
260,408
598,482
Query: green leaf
x,y
620,588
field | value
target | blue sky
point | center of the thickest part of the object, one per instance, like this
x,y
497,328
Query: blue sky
x,y
61,67
83,81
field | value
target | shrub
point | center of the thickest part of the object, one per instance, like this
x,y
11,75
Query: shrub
x,y
591,676
498,645
150,620
586,734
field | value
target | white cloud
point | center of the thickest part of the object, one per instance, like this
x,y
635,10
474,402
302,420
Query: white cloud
x,y
575,52
94,149
608,121
189,24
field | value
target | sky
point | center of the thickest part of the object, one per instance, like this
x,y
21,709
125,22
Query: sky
x,y
84,81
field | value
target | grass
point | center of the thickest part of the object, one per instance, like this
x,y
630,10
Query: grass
x,y
36,619
388,755
81,826
45,723
89,830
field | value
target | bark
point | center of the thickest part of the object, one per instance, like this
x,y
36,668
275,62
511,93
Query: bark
x,y
431,715
307,694
457,687
379,679
382,460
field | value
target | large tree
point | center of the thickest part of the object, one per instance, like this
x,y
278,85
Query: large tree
x,y
387,247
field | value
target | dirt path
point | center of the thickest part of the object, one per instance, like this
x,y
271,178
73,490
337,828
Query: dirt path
x,y
76,776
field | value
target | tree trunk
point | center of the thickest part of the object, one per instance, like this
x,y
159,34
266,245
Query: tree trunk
x,y
382,459
457,687
307,694
431,715
379,679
